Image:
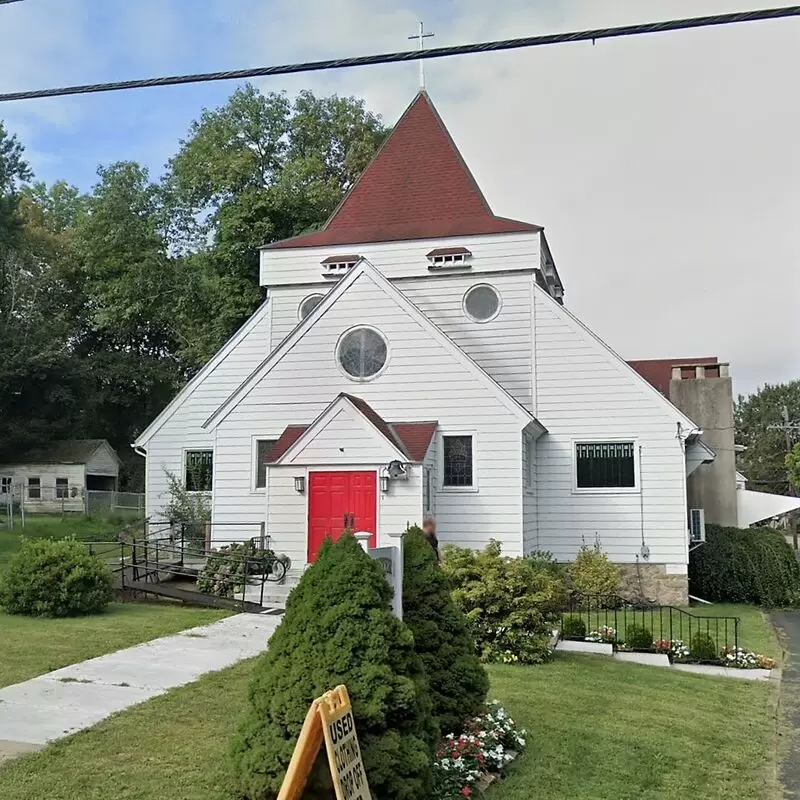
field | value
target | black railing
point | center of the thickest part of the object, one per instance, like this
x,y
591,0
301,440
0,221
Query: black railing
x,y
680,634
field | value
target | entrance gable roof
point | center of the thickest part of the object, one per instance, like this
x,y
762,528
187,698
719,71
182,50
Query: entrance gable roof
x,y
365,270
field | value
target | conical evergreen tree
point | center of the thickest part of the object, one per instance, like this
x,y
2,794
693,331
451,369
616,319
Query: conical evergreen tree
x,y
457,679
338,628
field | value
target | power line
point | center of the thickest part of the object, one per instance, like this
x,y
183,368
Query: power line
x,y
414,55
6,2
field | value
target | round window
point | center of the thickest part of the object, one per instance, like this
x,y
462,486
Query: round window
x,y
482,303
309,304
362,353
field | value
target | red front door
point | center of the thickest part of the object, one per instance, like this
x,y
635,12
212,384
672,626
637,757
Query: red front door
x,y
337,500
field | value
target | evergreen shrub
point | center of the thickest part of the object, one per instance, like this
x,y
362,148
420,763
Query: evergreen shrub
x,y
593,574
573,628
511,606
637,637
703,648
339,628
442,638
751,565
55,578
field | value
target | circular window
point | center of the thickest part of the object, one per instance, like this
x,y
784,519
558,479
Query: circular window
x,y
362,353
482,303
309,304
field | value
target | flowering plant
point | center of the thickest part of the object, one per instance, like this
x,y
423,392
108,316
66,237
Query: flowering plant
x,y
605,633
489,742
737,657
674,647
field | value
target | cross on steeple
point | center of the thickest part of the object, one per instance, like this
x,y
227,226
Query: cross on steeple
x,y
421,37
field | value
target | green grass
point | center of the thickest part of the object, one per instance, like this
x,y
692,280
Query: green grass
x,y
755,631
45,526
30,647
598,730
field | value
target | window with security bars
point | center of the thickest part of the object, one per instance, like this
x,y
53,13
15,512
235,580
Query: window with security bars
x,y
457,460
199,470
263,447
605,465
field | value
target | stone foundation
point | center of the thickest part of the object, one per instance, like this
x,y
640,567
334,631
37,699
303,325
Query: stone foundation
x,y
653,583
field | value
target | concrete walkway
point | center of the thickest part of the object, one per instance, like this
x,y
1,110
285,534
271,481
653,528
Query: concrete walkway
x,y
60,703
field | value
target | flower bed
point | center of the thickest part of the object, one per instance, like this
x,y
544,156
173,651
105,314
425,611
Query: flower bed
x,y
468,762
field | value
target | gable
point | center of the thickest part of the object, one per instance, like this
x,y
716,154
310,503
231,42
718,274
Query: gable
x,y
581,381
419,355
103,461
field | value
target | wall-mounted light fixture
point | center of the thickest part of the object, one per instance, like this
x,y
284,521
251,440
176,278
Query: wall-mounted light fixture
x,y
384,483
300,484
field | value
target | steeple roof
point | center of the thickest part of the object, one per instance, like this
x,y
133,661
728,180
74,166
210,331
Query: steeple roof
x,y
416,187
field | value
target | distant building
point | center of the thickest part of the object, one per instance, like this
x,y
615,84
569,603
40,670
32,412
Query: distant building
x,y
56,477
703,390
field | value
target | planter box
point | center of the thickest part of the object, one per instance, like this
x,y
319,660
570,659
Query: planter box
x,y
651,659
726,672
597,648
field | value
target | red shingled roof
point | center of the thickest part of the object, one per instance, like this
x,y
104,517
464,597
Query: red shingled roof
x,y
658,371
416,187
412,438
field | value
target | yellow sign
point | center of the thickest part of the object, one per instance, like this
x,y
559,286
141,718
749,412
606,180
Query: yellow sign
x,y
330,719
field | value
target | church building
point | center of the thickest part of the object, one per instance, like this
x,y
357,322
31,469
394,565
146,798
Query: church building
x,y
414,357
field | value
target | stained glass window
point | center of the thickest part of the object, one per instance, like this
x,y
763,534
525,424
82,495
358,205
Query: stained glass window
x,y
605,465
362,353
199,470
457,460
482,303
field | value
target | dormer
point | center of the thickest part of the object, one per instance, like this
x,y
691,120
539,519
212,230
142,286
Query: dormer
x,y
336,266
448,258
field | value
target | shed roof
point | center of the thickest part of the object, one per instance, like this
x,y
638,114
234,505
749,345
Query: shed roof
x,y
67,451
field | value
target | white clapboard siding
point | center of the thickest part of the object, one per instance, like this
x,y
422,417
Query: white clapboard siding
x,y
493,253
530,522
503,346
181,429
585,392
422,378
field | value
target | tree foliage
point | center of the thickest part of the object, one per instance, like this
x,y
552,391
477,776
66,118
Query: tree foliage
x,y
339,628
111,300
442,637
763,462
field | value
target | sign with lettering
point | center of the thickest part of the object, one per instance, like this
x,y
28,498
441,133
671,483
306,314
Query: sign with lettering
x,y
391,560
330,719
341,742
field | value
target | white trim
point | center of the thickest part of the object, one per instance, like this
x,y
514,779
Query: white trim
x,y
569,318
637,477
365,268
442,433
308,297
496,312
366,378
144,437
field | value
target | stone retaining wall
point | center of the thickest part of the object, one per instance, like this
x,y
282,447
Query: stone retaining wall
x,y
651,582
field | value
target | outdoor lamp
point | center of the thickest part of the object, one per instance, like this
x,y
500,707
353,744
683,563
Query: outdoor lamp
x,y
300,484
384,483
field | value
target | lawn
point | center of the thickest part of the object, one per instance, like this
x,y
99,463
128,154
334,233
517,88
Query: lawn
x,y
597,729
44,526
755,631
30,647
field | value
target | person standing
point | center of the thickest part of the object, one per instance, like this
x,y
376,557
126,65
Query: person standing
x,y
429,530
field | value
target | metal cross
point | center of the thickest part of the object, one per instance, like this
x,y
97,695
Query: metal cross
x,y
421,37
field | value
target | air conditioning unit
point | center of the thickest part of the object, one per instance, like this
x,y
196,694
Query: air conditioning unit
x,y
697,525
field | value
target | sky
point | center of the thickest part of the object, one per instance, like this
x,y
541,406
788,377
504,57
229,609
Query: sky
x,y
665,168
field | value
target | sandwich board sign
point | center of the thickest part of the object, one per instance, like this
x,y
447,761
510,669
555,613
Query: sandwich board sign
x,y
330,720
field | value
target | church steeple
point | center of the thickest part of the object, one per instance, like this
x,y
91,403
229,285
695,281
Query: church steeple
x,y
416,187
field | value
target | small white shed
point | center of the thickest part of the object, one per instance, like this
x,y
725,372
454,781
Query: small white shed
x,y
56,477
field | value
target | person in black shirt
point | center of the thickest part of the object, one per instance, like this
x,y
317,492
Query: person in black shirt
x,y
429,529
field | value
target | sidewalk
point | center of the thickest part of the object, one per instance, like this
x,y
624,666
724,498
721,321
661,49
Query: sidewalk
x,y
60,703
788,624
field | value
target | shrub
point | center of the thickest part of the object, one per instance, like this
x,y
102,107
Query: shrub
x,y
753,565
224,572
55,578
573,628
543,561
703,648
338,628
592,573
510,606
637,637
442,638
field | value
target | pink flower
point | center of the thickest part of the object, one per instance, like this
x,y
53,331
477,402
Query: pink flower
x,y
466,791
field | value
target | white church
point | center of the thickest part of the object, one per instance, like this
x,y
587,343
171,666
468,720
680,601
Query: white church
x,y
414,357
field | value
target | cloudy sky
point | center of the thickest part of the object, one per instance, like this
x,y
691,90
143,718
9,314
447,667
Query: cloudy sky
x,y
666,169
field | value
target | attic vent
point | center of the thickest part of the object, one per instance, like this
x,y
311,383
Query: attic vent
x,y
449,258
336,266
